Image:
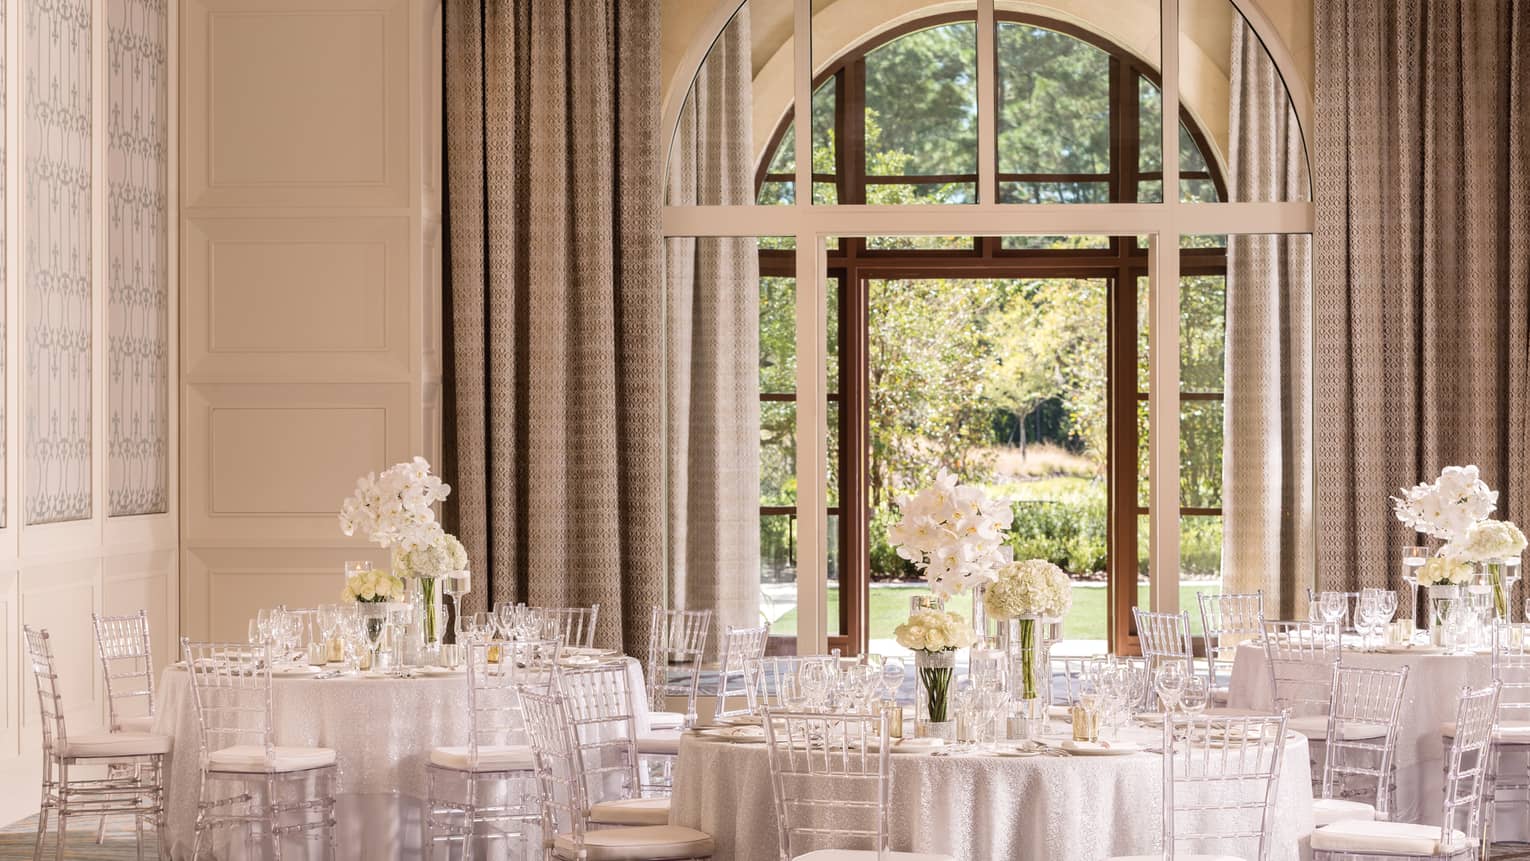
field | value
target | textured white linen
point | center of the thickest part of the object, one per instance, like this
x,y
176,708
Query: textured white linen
x,y
1434,689
978,808
382,731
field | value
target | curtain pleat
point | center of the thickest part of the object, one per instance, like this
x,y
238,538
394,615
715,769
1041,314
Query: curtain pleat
x,y
1422,264
555,391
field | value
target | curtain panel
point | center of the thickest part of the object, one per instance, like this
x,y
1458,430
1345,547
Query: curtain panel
x,y
1422,264
555,361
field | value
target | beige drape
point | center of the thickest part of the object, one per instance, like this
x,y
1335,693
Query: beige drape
x,y
1267,423
1422,263
713,451
555,357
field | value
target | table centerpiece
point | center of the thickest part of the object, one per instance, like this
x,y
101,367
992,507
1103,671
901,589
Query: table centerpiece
x,y
1455,509
1026,597
934,636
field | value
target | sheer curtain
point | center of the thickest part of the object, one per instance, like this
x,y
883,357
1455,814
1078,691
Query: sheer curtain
x,y
1267,540
555,359
1422,270
712,455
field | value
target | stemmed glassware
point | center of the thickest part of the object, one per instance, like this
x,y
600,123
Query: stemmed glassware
x,y
1413,559
1333,606
813,677
893,673
454,585
1192,699
1169,681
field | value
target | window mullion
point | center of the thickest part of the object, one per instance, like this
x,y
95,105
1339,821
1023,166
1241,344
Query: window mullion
x,y
1163,344
987,104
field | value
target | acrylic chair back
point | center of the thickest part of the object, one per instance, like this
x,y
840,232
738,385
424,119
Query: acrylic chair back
x,y
1364,699
573,626
127,663
1302,658
231,689
494,703
1075,677
676,637
1467,763
599,705
1228,620
1511,669
1220,776
830,779
50,697
559,776
1165,638
739,651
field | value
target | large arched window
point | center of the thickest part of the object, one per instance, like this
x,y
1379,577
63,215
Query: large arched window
x,y
1002,320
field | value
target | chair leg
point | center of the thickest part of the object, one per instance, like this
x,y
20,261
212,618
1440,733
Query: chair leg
x,y
470,817
63,824
42,828
273,823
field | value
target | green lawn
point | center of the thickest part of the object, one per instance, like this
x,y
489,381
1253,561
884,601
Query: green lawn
x,y
1087,619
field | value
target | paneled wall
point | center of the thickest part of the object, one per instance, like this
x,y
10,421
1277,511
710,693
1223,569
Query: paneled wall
x,y
311,315
88,474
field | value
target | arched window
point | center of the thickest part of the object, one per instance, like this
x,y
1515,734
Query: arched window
x,y
970,319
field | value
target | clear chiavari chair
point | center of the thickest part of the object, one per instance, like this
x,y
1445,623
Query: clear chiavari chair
x,y
1302,658
1459,834
1511,725
676,638
832,786
490,781
231,688
1164,638
1228,620
1075,676
1220,775
134,788
127,665
739,650
562,777
573,626
602,708
1363,724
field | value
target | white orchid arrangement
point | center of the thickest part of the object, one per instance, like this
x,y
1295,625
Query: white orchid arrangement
x,y
1448,506
953,533
373,587
931,630
395,508
1034,587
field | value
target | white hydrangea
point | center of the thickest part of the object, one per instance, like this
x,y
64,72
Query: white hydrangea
x,y
373,586
953,533
1488,541
442,557
1034,587
395,509
1447,507
932,630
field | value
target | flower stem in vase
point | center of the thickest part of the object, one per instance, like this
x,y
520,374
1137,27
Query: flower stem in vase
x,y
1027,638
937,685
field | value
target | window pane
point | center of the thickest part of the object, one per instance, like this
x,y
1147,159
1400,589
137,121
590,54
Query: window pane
x,y
1143,435
1143,315
832,540
921,103
1200,454
1013,191
1050,243
920,193
921,243
1202,332
778,334
778,573
778,453
831,308
1200,558
1150,152
1054,102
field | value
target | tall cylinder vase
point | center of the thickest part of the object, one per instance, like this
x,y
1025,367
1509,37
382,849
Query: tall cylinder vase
x,y
980,615
933,673
429,617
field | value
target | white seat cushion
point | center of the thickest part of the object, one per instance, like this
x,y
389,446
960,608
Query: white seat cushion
x,y
663,743
868,855
631,811
1316,726
665,720
1178,856
104,744
1510,731
1327,811
646,843
251,759
137,723
509,757
1363,835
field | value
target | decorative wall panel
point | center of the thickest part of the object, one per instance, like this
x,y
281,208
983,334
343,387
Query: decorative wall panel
x,y
56,259
138,338
4,275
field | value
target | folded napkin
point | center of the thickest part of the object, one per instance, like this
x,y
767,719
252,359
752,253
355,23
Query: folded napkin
x,y
665,720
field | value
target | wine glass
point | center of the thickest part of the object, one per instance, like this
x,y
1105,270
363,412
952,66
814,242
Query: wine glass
x,y
1192,699
454,585
1366,616
375,629
1386,607
813,677
263,618
893,673
1169,682
1333,606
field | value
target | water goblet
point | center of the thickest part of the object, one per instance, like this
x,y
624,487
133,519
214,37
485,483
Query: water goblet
x,y
813,676
1192,699
1333,606
1169,682
893,673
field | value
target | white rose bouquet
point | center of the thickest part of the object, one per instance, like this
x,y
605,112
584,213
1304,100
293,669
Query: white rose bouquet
x,y
953,533
373,587
1444,571
930,631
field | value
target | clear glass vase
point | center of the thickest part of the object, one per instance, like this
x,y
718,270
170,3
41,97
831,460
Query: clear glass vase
x,y
933,674
1501,575
429,620
1440,601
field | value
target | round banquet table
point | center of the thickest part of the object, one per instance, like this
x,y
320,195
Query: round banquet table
x,y
979,808
382,730
1434,688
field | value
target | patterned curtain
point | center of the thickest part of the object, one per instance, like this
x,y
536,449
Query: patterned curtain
x,y
1423,264
1267,423
555,358
713,453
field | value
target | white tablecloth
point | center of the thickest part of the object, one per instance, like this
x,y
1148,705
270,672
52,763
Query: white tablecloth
x,y
1434,689
978,808
382,730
